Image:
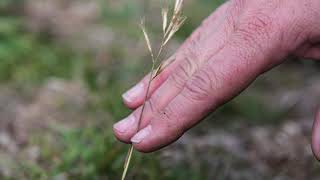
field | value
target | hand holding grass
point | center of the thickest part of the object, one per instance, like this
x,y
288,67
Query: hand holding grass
x,y
237,43
169,28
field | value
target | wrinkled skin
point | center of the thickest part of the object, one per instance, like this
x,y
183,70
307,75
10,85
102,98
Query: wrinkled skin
x,y
241,40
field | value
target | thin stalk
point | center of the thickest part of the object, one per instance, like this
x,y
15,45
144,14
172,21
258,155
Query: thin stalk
x,y
127,162
160,51
156,73
130,151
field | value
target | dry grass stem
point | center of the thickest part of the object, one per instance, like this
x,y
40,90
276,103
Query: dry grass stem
x,y
126,163
176,21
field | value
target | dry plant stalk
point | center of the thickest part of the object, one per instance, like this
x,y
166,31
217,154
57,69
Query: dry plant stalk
x,y
169,29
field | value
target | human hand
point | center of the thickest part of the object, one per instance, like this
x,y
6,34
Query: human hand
x,y
241,40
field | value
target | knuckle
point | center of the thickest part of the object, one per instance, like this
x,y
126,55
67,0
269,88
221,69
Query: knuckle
x,y
179,77
183,72
200,86
256,24
254,29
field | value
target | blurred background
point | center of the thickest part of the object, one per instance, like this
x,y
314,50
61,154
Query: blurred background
x,y
64,65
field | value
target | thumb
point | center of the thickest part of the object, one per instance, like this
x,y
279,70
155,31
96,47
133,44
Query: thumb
x,y
316,136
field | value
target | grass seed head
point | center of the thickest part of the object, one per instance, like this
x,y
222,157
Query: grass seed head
x,y
176,21
146,36
164,19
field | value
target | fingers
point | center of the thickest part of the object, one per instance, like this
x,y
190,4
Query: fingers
x,y
126,128
213,70
218,80
210,70
134,97
191,59
316,136
187,61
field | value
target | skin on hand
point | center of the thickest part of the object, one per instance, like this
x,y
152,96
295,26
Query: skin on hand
x,y
241,40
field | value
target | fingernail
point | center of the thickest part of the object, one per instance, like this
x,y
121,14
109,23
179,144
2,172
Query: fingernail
x,y
133,93
141,135
123,125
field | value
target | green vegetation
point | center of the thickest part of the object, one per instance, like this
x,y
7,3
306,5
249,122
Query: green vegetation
x,y
28,59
